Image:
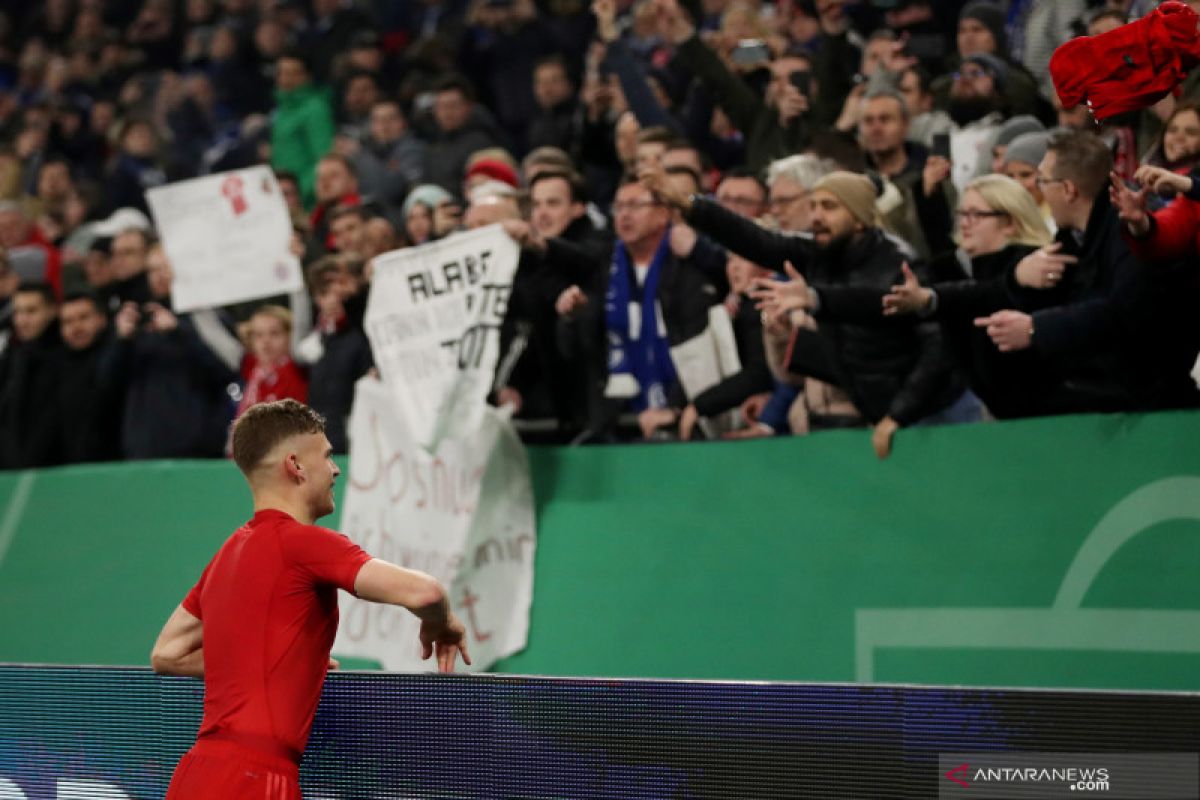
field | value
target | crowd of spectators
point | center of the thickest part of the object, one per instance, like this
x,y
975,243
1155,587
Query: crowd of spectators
x,y
737,218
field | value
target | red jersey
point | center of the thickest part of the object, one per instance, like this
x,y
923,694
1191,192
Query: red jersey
x,y
268,601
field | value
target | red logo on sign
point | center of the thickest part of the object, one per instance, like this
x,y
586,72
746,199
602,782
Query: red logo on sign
x,y
232,188
962,769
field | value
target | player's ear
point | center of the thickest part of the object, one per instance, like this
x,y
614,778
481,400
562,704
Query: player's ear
x,y
292,468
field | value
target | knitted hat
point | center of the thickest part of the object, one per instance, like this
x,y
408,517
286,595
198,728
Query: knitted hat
x,y
1028,148
1017,126
494,169
429,195
856,193
990,16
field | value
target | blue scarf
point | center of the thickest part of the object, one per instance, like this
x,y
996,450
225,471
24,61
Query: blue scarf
x,y
648,357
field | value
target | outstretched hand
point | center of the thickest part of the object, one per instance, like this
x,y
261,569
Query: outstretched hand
x,y
908,297
1130,205
654,178
1044,267
1162,181
1009,330
775,298
448,639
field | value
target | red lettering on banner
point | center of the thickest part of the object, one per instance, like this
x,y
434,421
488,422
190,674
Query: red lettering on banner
x,y
233,189
468,603
439,486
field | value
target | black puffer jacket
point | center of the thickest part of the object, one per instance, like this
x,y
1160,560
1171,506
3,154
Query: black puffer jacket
x,y
891,367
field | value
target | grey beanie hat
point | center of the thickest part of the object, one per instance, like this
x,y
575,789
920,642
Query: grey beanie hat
x,y
1017,126
1028,148
992,17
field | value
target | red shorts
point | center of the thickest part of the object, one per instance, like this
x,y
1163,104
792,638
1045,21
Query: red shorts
x,y
230,772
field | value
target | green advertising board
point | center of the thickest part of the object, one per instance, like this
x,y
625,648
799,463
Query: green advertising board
x,y
1058,552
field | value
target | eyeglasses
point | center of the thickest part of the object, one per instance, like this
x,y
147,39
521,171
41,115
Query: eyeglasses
x,y
786,199
972,74
632,205
971,215
1041,180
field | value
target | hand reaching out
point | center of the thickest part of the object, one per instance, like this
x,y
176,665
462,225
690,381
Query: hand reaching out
x,y
1162,181
774,297
654,178
907,298
1043,268
1009,330
1130,205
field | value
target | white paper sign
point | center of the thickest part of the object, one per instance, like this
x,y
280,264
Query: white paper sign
x,y
433,318
227,238
464,514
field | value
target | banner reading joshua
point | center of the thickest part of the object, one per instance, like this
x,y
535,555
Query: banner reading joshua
x,y
433,319
438,478
463,514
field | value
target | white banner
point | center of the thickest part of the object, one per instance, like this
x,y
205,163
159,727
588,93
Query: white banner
x,y
433,319
464,514
227,238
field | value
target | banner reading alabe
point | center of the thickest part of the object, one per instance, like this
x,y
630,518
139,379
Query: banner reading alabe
x,y
433,319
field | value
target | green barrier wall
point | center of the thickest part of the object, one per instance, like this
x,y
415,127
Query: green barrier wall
x,y
1058,552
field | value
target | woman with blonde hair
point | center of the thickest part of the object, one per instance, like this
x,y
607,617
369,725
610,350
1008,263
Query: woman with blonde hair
x,y
1003,246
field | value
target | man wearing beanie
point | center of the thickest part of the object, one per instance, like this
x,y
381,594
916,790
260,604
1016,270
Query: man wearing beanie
x,y
981,33
896,375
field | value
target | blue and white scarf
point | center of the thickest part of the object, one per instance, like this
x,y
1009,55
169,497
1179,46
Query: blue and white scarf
x,y
647,356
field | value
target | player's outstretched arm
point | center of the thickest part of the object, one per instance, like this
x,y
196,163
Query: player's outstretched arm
x,y
180,646
382,582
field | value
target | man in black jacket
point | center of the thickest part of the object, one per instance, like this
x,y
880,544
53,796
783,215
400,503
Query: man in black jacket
x,y
559,248
896,375
91,406
29,369
1117,333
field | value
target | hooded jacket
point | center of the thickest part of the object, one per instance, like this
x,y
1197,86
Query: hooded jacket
x,y
301,133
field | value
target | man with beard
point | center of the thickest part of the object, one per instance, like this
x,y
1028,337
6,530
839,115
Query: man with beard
x,y
977,107
981,31
895,375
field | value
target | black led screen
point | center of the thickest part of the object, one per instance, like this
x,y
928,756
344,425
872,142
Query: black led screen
x,y
112,733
